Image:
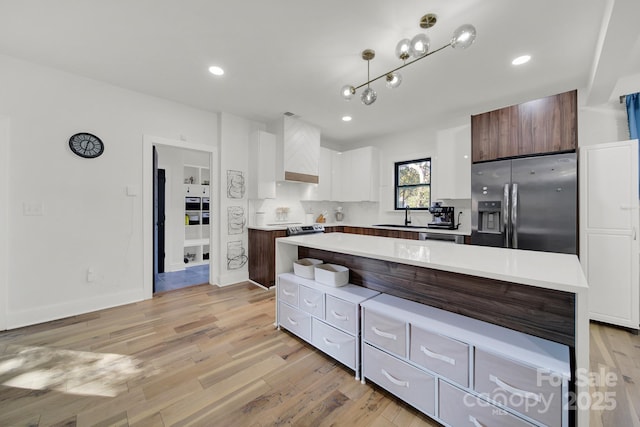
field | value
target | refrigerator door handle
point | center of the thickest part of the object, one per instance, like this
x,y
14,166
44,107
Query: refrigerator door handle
x,y
505,217
514,215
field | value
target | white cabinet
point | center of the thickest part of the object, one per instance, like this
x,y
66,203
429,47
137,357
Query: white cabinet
x,y
197,208
297,151
428,357
262,166
355,175
609,251
326,317
325,176
452,165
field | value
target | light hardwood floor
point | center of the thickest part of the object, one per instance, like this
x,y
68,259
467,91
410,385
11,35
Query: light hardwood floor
x,y
210,356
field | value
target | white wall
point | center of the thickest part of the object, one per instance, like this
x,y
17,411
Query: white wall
x,y
234,156
88,220
4,219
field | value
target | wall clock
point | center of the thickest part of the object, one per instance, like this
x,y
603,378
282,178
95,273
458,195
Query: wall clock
x,y
86,145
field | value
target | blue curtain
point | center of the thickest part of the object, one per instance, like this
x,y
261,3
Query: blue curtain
x,y
633,112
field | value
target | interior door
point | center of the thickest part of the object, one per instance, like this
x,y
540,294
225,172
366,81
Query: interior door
x,y
609,199
155,217
161,183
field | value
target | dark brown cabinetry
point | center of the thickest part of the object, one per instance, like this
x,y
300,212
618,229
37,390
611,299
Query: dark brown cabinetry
x,y
399,234
545,125
262,256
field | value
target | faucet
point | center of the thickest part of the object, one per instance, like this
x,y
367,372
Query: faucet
x,y
407,215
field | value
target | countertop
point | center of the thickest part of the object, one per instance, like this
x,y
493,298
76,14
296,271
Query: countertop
x,y
283,226
542,269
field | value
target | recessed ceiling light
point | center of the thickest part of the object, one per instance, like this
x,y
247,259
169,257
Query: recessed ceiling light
x,y
521,60
216,71
346,118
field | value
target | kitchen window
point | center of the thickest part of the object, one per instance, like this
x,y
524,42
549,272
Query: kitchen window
x,y
413,184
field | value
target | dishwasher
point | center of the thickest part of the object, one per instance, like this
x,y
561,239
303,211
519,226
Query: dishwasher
x,y
454,238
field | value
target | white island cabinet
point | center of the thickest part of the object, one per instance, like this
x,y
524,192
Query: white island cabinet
x,y
324,316
450,300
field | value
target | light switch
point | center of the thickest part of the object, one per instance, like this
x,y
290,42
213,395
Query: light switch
x,y
32,208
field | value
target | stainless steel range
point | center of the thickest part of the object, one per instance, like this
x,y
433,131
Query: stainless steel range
x,y
297,230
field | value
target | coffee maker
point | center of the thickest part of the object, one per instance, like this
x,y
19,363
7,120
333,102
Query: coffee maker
x,y
443,217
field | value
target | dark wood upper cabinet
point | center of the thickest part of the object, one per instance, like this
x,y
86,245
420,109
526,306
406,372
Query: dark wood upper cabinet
x,y
545,125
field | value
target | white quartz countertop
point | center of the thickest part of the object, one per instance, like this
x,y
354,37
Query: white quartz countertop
x,y
283,226
542,269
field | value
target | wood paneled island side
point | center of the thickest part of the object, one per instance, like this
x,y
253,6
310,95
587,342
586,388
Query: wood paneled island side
x,y
538,293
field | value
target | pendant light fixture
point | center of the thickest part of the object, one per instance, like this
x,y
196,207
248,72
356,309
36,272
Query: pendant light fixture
x,y
416,48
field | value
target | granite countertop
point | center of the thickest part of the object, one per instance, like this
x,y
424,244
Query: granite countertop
x,y
542,269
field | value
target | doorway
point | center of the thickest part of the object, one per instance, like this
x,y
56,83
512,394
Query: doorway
x,y
173,218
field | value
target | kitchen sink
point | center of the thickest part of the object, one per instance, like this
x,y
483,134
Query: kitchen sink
x,y
399,226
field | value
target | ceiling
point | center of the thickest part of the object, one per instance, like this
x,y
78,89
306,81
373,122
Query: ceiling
x,y
294,56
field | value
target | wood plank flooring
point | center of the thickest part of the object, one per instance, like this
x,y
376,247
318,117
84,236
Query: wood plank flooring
x,y
209,356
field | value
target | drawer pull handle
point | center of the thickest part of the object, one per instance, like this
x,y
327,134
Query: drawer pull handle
x,y
513,390
287,293
383,334
309,303
329,342
394,380
475,422
339,316
446,359
293,322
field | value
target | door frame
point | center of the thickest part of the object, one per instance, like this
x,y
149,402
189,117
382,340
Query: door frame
x,y
4,221
148,141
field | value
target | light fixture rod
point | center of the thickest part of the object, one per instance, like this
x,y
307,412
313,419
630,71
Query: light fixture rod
x,y
399,68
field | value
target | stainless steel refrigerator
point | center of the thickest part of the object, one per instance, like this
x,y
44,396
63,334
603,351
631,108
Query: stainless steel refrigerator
x,y
526,203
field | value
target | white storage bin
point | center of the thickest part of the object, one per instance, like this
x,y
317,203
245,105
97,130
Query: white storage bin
x,y
305,267
332,274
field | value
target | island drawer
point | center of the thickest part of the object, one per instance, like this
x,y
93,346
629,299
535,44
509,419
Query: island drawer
x,y
440,354
341,313
526,389
311,301
295,321
337,344
288,291
458,408
385,332
403,380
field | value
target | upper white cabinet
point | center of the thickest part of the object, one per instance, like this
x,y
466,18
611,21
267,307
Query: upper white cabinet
x,y
609,221
356,175
325,176
297,151
262,166
452,166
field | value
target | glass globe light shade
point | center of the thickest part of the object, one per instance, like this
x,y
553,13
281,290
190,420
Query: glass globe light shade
x,y
347,92
394,80
368,96
402,49
463,36
419,45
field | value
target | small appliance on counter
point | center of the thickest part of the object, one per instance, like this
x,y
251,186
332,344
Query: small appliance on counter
x,y
443,217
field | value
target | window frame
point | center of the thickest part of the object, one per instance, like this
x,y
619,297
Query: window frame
x,y
396,185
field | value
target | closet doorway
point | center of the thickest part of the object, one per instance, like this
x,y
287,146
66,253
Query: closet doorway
x,y
179,218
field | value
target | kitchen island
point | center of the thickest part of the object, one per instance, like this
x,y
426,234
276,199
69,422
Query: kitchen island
x,y
536,293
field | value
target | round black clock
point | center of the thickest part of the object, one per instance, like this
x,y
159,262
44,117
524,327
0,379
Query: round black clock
x,y
86,145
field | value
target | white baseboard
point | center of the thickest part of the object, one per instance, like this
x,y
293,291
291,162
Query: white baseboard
x,y
34,315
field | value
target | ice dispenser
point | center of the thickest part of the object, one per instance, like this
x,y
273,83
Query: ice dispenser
x,y
489,217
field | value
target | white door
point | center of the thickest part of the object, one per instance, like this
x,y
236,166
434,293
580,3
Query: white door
x,y
610,222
